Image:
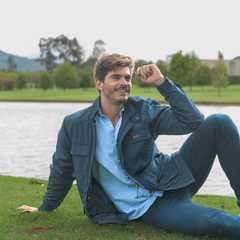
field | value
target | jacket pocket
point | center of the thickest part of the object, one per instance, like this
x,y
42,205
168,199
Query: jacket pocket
x,y
79,150
176,174
80,154
136,144
171,174
137,136
155,171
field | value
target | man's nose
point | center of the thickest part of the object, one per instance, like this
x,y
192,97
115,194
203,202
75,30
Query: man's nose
x,y
123,81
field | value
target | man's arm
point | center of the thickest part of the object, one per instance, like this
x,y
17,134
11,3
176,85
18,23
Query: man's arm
x,y
61,171
182,117
60,179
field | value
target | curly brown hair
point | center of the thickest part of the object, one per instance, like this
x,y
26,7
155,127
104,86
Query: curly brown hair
x,y
109,62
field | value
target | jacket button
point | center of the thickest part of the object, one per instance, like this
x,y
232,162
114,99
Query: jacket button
x,y
137,118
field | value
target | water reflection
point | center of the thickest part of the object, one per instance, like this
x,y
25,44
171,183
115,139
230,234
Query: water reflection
x,y
28,134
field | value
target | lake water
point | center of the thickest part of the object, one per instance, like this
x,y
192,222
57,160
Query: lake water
x,y
28,134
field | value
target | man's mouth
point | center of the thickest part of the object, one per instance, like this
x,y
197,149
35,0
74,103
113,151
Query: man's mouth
x,y
122,90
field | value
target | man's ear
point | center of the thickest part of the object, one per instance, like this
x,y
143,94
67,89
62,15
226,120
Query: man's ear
x,y
99,84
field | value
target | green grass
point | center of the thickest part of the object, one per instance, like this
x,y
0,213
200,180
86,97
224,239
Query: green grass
x,y
50,95
230,95
69,219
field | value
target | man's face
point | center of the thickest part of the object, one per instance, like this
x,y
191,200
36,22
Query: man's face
x,y
116,87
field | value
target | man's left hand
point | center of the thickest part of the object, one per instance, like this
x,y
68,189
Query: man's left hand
x,y
27,208
150,74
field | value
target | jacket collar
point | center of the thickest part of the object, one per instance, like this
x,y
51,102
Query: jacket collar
x,y
129,110
95,107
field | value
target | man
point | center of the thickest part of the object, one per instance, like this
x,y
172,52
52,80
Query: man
x,y
109,149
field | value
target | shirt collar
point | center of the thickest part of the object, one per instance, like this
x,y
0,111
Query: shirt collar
x,y
121,112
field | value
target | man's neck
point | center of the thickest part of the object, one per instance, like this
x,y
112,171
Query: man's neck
x,y
112,112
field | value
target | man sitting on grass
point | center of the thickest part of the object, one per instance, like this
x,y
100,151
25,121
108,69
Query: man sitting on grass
x,y
109,148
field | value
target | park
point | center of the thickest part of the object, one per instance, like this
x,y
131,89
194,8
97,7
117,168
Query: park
x,y
74,84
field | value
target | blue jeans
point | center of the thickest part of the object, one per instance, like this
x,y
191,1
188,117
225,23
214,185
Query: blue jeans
x,y
174,211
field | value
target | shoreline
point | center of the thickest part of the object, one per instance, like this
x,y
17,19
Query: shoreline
x,y
82,101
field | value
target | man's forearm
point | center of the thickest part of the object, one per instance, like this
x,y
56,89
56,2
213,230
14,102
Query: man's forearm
x,y
182,106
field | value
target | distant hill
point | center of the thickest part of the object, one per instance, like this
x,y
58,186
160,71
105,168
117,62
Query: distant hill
x,y
23,64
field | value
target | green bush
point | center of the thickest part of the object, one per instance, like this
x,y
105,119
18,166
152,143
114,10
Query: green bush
x,y
65,75
86,80
1,84
8,83
21,81
45,81
234,80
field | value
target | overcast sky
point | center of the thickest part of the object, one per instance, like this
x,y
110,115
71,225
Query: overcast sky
x,y
142,29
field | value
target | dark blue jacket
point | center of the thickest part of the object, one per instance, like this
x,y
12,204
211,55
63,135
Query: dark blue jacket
x,y
143,120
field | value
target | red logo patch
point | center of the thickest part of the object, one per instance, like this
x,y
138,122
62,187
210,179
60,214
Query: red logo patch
x,y
136,136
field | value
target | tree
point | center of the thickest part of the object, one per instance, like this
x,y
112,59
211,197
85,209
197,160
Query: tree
x,y
8,83
203,76
140,63
11,65
98,49
86,80
50,63
162,67
194,64
45,81
21,81
58,50
1,83
88,65
220,76
65,75
47,58
68,50
180,67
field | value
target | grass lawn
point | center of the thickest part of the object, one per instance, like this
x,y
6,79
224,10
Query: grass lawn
x,y
68,221
230,95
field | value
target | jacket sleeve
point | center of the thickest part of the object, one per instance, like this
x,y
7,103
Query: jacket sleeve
x,y
61,172
181,117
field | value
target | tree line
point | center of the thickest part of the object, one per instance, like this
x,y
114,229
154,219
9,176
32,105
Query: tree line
x,y
187,70
63,59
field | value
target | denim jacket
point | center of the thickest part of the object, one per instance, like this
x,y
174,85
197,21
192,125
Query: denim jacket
x,y
143,120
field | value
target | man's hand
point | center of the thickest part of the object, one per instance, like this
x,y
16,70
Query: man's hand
x,y
150,74
27,208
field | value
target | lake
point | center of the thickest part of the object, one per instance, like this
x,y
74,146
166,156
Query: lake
x,y
28,134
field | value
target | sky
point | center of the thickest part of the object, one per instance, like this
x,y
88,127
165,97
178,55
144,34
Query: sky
x,y
142,29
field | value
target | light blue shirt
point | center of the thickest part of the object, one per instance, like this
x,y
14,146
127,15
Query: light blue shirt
x,y
128,197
